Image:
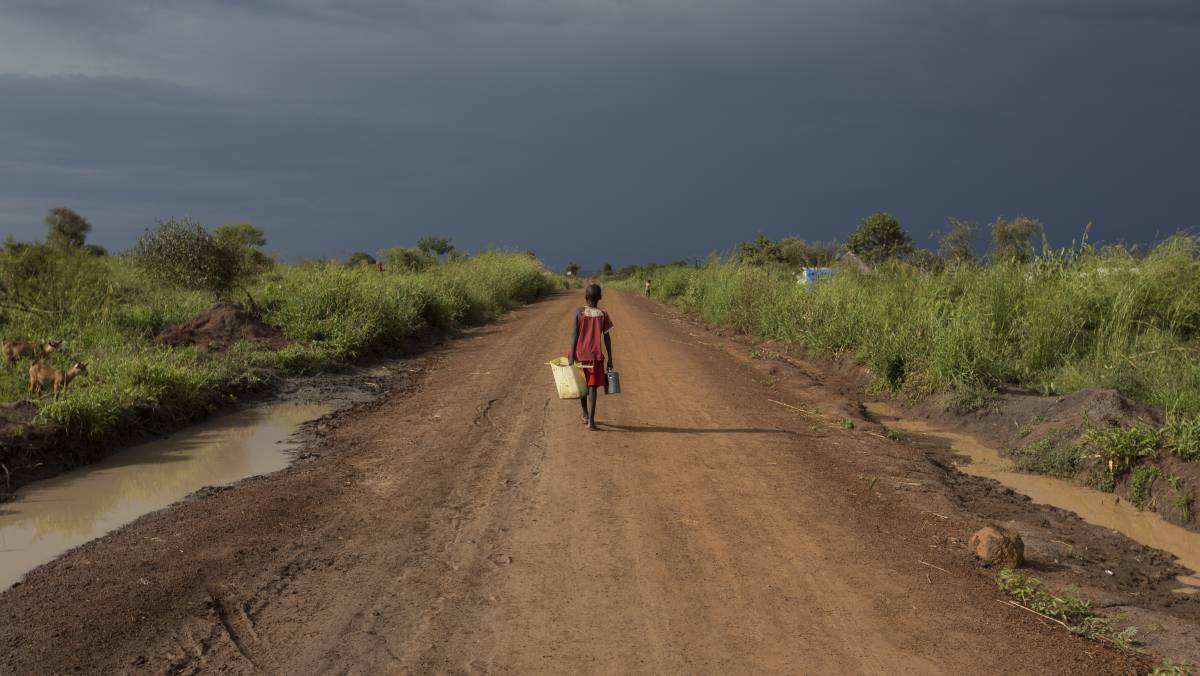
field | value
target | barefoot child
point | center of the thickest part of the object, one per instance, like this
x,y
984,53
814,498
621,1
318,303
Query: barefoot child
x,y
590,324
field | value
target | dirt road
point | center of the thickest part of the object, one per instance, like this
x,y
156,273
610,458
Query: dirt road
x,y
473,524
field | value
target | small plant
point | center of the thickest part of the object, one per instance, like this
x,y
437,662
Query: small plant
x,y
1047,456
1180,500
1120,448
1183,436
1169,667
1141,482
1073,612
847,424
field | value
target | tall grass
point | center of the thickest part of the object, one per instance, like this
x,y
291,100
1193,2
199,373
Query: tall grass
x,y
108,314
1090,317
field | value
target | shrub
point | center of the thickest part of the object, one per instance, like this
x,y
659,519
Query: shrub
x,y
183,254
878,238
68,230
1012,240
400,259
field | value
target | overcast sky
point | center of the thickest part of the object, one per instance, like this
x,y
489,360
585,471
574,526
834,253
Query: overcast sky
x,y
597,130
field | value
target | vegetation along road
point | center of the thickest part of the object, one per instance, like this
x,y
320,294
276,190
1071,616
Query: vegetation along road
x,y
727,520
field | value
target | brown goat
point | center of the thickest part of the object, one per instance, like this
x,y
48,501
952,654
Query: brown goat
x,y
15,349
41,376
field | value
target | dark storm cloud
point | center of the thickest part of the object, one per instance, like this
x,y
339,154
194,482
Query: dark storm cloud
x,y
597,130
1166,11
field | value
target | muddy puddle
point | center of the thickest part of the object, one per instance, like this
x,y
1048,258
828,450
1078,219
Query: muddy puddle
x,y
1093,506
51,516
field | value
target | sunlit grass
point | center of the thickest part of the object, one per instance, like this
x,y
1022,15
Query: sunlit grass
x,y
332,313
1069,320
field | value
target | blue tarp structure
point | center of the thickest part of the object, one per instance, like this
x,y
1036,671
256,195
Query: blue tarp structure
x,y
811,275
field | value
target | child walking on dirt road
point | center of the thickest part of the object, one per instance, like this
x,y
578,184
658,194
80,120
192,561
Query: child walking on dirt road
x,y
591,323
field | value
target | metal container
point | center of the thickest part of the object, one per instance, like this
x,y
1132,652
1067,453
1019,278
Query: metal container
x,y
614,383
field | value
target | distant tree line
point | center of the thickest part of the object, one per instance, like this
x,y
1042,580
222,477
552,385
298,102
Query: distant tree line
x,y
429,251
878,239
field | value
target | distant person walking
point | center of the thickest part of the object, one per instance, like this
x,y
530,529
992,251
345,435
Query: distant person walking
x,y
592,325
647,288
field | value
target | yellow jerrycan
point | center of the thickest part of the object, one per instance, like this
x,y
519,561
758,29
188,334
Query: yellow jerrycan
x,y
568,378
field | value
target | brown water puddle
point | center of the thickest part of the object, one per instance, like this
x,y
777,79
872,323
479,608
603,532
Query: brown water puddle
x,y
1094,506
49,517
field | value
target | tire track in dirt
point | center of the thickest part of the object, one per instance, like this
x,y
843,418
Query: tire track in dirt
x,y
474,525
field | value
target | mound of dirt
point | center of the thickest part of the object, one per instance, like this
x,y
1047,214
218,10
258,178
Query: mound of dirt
x,y
219,327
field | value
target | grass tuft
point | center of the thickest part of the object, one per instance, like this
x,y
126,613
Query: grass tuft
x,y
1073,612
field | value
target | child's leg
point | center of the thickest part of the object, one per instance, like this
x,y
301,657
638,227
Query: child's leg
x,y
583,405
592,397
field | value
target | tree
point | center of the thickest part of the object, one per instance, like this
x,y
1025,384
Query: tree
x,y
572,268
360,258
796,252
955,245
926,260
607,270
406,260
13,245
759,251
46,281
1012,240
182,253
878,238
68,230
246,239
435,246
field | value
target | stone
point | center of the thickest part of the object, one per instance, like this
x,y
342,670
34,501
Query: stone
x,y
997,546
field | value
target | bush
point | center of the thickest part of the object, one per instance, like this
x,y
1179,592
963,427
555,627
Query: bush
x,y
185,255
878,238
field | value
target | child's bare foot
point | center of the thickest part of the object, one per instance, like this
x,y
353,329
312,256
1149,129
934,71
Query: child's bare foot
x,y
592,428
583,419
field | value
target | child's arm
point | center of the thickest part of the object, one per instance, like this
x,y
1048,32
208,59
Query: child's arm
x,y
574,338
608,346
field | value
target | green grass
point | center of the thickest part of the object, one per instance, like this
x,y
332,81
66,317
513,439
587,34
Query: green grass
x,y
1048,456
1183,436
1141,483
1091,317
1075,613
1169,667
1120,448
107,313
